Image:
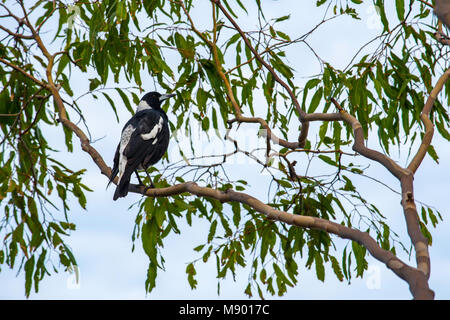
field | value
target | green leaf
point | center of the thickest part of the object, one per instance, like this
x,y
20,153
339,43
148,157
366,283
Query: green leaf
x,y
249,234
70,255
433,217
202,98
29,269
381,10
283,18
442,130
113,106
232,40
347,274
207,254
320,269
328,160
125,100
190,270
400,6
68,139
315,100
212,231
284,183
94,83
336,268
424,215
149,240
62,63
150,282
283,36
433,154
205,124
248,291
77,192
359,252
236,208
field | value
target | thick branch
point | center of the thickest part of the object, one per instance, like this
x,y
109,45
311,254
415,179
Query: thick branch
x,y
419,241
429,128
409,207
418,282
323,117
377,156
405,176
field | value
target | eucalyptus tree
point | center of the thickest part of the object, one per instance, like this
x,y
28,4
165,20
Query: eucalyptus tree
x,y
226,77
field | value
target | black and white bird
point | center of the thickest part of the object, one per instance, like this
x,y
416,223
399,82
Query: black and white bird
x,y
144,140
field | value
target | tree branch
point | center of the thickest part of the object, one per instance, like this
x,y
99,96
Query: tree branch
x,y
229,91
26,74
10,14
427,3
16,35
417,281
358,144
429,127
407,183
268,131
405,176
305,125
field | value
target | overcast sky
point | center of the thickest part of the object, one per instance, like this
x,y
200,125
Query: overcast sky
x,y
102,241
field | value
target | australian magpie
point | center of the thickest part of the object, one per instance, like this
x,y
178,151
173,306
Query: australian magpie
x,y
144,140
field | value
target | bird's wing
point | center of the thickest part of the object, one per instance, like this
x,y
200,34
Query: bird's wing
x,y
115,169
149,124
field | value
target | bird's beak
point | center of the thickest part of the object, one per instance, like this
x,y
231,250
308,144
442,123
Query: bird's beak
x,y
166,96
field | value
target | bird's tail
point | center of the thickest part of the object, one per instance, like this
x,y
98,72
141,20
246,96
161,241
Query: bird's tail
x,y
122,188
113,175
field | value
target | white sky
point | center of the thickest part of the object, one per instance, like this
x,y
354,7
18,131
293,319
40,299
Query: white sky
x,y
102,241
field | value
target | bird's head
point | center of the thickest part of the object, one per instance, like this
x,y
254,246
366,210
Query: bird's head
x,y
153,100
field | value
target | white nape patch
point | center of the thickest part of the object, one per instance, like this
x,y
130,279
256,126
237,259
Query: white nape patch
x,y
124,140
154,131
143,105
